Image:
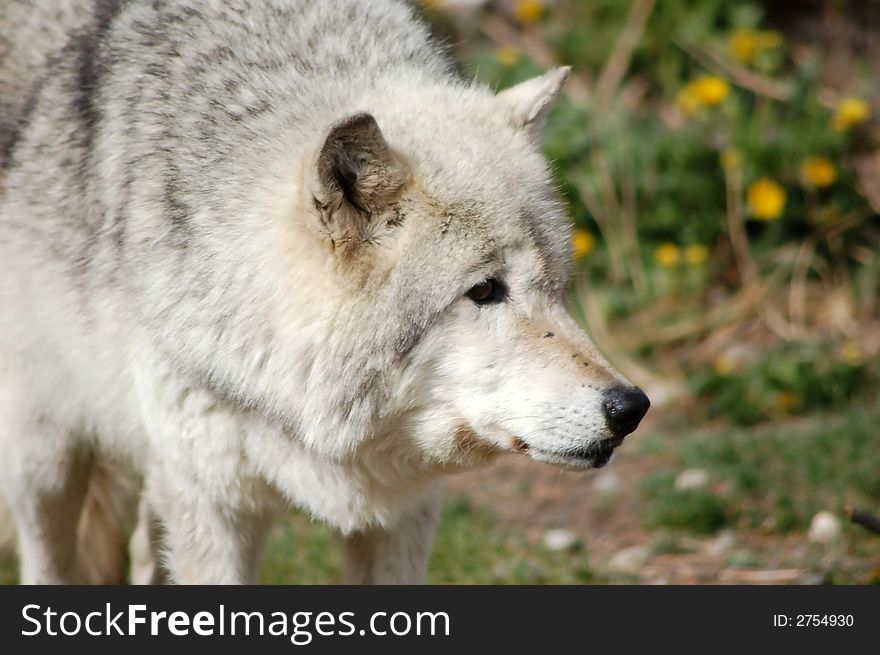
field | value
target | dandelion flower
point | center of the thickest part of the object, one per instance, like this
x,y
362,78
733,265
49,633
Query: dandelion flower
x,y
849,112
818,172
724,365
766,199
528,12
582,242
747,44
705,91
743,45
711,90
667,255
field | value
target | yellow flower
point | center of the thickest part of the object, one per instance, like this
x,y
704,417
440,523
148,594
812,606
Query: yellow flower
x,y
786,401
725,365
849,112
743,45
507,55
528,12
731,158
433,5
711,90
705,91
668,255
818,172
582,242
766,199
746,44
696,254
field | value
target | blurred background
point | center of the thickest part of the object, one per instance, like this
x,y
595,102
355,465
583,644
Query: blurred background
x,y
721,162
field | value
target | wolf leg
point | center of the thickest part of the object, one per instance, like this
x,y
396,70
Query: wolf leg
x,y
207,541
145,548
398,554
104,522
45,484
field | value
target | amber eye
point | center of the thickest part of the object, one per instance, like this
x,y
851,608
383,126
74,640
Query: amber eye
x,y
487,292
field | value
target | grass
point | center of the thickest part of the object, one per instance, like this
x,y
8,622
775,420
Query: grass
x,y
699,511
8,569
772,479
469,549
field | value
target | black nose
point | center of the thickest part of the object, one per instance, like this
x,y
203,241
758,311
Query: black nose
x,y
624,408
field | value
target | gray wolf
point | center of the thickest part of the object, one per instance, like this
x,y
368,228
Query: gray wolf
x,y
267,253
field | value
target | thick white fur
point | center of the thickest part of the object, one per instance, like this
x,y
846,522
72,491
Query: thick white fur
x,y
281,361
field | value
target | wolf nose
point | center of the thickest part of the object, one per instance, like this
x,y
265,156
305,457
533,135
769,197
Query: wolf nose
x,y
624,408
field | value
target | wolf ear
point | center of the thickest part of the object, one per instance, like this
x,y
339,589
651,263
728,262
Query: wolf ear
x,y
528,103
356,172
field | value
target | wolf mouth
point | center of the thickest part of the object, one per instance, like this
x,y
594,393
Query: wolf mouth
x,y
595,455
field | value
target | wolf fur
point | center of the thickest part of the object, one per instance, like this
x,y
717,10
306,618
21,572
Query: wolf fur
x,y
236,243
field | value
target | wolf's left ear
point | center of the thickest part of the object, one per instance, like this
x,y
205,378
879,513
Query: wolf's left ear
x,y
528,103
356,174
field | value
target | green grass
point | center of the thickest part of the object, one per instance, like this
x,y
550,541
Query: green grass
x,y
469,549
773,478
698,511
8,569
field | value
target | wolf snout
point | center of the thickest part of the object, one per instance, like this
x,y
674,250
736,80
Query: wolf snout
x,y
624,409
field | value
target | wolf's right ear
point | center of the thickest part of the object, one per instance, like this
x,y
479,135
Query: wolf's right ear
x,y
356,175
528,103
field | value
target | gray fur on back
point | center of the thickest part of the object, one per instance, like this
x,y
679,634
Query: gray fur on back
x,y
134,148
234,74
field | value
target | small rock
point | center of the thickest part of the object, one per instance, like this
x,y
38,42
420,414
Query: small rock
x,y
824,528
630,560
607,483
721,544
691,479
558,540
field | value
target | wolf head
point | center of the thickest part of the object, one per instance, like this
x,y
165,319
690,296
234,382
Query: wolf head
x,y
445,253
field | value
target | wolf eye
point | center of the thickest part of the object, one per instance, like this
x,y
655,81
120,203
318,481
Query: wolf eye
x,y
484,293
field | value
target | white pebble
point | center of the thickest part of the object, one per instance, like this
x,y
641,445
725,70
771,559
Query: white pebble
x,y
607,483
721,544
559,540
690,479
630,560
824,528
